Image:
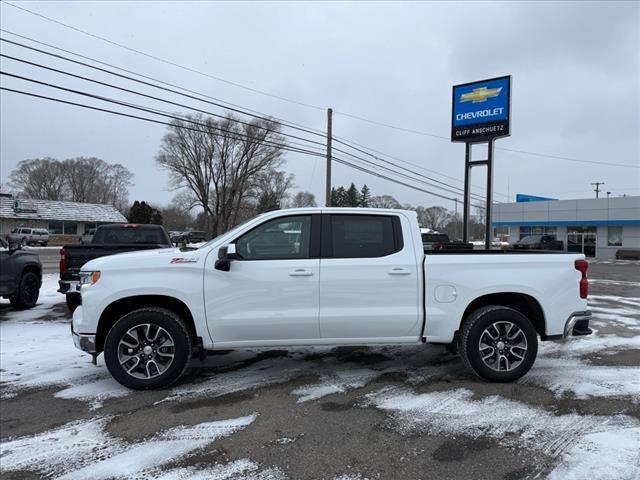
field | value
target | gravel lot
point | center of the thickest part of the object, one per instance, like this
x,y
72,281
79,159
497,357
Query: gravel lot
x,y
344,413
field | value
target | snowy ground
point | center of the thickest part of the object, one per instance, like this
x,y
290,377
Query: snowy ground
x,y
345,413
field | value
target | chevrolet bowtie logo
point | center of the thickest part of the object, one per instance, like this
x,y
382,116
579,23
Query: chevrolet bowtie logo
x,y
481,94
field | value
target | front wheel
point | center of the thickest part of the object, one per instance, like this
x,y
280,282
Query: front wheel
x,y
498,343
148,348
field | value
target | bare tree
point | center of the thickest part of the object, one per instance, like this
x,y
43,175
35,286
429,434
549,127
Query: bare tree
x,y
40,178
384,201
272,189
303,199
89,180
219,162
435,218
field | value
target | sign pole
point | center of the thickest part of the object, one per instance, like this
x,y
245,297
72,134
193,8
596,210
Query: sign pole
x,y
467,188
488,229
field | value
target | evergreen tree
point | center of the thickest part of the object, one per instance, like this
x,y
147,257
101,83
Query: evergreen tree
x,y
352,198
142,212
338,197
365,196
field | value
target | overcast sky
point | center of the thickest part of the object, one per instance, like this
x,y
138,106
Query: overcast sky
x,y
575,68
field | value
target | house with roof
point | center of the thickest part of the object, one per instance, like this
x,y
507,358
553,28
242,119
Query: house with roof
x,y
61,219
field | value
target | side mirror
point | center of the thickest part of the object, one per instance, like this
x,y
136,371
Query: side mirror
x,y
225,255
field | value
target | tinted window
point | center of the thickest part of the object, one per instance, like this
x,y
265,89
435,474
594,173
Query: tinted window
x,y
358,236
128,235
281,238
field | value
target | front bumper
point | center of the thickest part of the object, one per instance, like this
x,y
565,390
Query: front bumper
x,y
82,341
577,324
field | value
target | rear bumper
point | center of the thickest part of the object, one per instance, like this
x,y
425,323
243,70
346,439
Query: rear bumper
x,y
82,341
68,286
577,324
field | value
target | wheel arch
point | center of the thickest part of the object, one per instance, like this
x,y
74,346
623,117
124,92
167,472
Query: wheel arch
x,y
122,306
521,302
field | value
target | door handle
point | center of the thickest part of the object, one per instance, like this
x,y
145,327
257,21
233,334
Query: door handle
x,y
300,272
399,271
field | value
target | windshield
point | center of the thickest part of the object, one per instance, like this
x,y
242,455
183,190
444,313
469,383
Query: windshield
x,y
237,227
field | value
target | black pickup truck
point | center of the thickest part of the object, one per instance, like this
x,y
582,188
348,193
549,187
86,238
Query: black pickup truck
x,y
538,242
20,275
107,240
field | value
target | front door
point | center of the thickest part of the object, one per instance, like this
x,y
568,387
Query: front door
x,y
369,279
271,293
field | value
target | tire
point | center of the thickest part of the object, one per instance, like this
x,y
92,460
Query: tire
x,y
489,332
150,325
73,301
28,291
24,242
44,244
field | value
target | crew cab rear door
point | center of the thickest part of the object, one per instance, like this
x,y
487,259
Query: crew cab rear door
x,y
369,279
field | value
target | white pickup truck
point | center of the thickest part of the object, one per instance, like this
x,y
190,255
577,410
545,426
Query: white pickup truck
x,y
325,276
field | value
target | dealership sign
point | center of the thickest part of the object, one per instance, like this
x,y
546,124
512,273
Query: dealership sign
x,y
481,110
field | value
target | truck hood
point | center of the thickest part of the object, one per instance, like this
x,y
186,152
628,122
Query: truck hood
x,y
161,258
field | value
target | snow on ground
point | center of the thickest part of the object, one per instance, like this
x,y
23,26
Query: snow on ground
x,y
82,450
563,376
338,382
583,443
36,347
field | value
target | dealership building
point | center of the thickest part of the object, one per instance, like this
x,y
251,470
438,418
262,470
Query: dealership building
x,y
597,227
65,220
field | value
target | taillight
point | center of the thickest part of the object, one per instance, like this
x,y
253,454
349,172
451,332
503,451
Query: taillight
x,y
63,260
582,266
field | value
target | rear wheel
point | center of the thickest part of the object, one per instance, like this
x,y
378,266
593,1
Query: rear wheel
x,y
148,348
498,343
28,291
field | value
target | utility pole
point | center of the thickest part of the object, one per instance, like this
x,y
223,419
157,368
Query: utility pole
x,y
597,189
456,219
327,200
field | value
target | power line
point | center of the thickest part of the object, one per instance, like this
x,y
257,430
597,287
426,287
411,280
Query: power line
x,y
457,191
166,101
162,60
351,144
88,79
160,122
216,102
144,109
375,122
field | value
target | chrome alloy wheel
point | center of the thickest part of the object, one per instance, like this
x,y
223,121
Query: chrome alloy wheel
x,y
146,351
503,346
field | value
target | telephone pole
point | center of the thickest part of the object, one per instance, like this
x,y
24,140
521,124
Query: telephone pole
x,y
327,200
597,189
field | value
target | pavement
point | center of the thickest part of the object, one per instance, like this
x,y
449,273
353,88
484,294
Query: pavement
x,y
328,413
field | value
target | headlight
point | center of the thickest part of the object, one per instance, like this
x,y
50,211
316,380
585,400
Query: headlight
x,y
89,278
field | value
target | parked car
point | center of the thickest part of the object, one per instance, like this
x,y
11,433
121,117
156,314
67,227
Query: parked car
x,y
20,275
29,236
432,240
88,236
338,277
107,240
538,242
191,236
